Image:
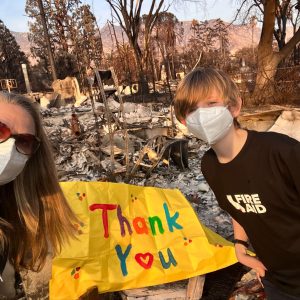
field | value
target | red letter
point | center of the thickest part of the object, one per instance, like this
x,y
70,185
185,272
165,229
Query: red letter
x,y
142,228
105,208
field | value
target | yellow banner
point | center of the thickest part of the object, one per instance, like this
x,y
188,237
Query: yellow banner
x,y
132,236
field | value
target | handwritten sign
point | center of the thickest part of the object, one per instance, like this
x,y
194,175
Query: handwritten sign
x,y
131,236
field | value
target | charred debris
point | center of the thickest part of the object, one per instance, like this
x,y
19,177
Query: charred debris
x,y
109,136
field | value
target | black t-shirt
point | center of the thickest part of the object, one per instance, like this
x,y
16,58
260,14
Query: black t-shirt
x,y
260,189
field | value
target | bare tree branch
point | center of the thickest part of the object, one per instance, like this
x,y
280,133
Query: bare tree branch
x,y
290,45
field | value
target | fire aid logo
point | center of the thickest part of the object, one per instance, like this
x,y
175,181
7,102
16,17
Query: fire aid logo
x,y
247,203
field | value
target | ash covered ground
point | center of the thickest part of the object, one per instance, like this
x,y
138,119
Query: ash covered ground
x,y
84,151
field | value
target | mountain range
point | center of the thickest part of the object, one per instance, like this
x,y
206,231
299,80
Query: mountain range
x,y
239,36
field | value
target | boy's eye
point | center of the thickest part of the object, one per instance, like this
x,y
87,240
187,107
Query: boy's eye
x,y
211,103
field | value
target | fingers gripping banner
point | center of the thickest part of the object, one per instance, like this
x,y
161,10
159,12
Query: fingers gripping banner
x,y
131,236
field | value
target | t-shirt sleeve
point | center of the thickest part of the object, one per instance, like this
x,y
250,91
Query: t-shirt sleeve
x,y
291,161
208,169
293,166
206,166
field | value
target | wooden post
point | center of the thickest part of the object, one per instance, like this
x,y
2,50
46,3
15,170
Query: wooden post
x,y
26,78
194,288
108,118
116,83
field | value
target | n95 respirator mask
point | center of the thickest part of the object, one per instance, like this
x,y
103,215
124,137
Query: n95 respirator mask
x,y
12,162
210,124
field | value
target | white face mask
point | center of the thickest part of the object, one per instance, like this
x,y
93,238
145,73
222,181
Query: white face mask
x,y
11,161
210,124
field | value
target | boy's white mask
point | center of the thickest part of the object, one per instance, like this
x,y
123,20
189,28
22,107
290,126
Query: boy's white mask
x,y
12,162
210,124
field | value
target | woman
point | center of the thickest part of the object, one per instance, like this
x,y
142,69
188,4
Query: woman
x,y
34,213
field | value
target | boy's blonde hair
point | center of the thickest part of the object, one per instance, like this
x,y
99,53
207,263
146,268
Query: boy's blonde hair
x,y
198,85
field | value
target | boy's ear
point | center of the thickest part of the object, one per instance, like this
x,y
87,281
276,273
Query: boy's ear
x,y
183,122
236,109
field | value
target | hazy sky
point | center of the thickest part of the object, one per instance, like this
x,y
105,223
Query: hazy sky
x,y
13,15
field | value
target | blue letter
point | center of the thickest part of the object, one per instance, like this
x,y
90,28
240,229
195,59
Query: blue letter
x,y
166,265
122,257
171,220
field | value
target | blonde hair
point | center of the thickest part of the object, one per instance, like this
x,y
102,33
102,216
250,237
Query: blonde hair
x,y
34,211
198,85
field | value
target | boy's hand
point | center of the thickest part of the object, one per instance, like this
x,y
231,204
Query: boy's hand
x,y
249,261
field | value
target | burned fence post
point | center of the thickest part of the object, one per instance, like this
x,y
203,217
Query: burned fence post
x,y
108,117
91,81
116,82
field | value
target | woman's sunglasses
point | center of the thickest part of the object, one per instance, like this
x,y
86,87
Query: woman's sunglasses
x,y
25,143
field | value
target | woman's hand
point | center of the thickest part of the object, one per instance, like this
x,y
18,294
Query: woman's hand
x,y
249,261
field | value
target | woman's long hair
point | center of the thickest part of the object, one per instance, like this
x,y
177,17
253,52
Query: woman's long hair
x,y
36,215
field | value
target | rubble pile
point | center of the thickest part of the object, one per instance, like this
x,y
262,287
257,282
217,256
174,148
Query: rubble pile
x,y
85,150
79,157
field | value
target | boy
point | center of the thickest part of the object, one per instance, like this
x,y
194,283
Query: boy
x,y
255,177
